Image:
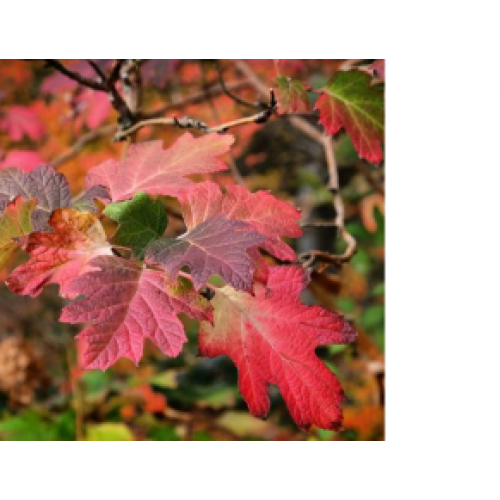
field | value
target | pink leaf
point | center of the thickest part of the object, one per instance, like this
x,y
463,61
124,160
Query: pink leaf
x,y
153,170
126,304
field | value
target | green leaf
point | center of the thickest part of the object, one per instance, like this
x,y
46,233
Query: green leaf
x,y
163,433
27,426
141,221
350,102
109,431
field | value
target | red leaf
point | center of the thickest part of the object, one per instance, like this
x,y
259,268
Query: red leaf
x,y
127,304
21,120
292,96
349,101
153,170
271,337
267,215
216,246
61,255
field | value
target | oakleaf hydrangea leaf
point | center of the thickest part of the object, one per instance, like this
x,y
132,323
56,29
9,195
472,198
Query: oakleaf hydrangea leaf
x,y
126,304
271,337
141,221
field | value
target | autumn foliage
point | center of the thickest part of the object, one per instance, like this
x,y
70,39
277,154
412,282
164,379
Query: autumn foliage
x,y
126,276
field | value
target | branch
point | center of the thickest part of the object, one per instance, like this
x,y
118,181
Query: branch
x,y
195,98
86,82
232,162
234,97
188,122
309,258
126,118
108,129
126,114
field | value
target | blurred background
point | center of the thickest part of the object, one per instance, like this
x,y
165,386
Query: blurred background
x,y
46,117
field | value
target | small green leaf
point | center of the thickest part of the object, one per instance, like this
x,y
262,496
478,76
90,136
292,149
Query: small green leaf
x,y
109,431
141,221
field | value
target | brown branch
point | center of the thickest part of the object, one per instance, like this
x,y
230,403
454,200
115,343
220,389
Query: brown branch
x,y
232,162
130,78
86,82
126,117
193,123
309,258
235,98
195,98
109,129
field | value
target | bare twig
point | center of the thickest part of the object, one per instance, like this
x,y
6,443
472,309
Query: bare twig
x,y
195,98
86,82
109,129
309,258
187,122
232,162
103,84
239,100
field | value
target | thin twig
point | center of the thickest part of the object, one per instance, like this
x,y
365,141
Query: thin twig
x,y
309,258
232,162
195,98
109,129
188,122
239,100
86,82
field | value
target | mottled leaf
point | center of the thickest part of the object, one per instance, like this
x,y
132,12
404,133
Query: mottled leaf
x,y
50,189
349,101
272,337
217,246
292,96
61,255
126,304
141,221
267,215
85,202
15,222
153,170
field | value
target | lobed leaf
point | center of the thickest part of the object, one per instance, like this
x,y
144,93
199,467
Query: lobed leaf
x,y
292,96
126,304
149,168
349,101
271,338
